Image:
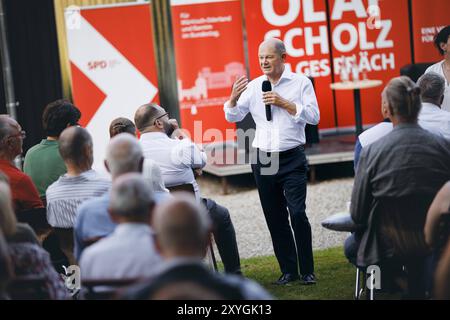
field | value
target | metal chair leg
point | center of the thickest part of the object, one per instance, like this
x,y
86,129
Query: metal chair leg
x,y
357,284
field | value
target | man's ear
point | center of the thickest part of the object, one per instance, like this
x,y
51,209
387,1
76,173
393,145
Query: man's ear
x,y
113,216
106,166
283,56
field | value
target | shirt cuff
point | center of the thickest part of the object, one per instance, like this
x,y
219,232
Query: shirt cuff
x,y
297,115
230,110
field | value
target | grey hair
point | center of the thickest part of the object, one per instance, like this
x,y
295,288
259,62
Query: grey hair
x,y
280,47
432,86
182,224
5,126
131,196
152,173
124,154
403,97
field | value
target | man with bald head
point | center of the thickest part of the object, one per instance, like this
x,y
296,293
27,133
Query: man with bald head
x,y
24,193
179,159
280,165
128,252
123,155
182,227
79,184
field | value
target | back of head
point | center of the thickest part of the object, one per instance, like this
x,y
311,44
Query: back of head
x,y
152,173
403,97
145,115
5,126
75,146
8,220
131,197
124,155
442,37
182,226
58,115
121,125
432,87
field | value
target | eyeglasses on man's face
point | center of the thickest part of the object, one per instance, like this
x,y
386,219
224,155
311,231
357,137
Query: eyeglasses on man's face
x,y
161,116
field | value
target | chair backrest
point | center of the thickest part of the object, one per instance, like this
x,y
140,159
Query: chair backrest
x,y
401,224
36,218
104,289
66,243
414,71
31,287
188,187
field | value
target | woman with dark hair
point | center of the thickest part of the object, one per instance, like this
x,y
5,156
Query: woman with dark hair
x,y
442,43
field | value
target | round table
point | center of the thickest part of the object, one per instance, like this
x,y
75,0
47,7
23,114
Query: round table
x,y
356,86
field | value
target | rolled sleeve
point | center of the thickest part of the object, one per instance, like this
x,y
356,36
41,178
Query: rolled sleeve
x,y
307,109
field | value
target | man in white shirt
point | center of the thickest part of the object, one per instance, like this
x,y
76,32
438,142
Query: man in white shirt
x,y
129,252
178,157
281,140
431,116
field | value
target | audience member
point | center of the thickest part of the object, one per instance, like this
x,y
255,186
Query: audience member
x,y
123,155
442,43
28,258
79,184
24,193
401,171
182,230
440,205
129,252
431,116
177,158
121,125
43,163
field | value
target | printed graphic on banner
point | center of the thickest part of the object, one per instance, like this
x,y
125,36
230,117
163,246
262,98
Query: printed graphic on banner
x,y
209,57
370,41
302,25
113,66
428,17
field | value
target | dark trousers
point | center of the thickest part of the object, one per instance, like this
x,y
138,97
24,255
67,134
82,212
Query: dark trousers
x,y
283,194
224,235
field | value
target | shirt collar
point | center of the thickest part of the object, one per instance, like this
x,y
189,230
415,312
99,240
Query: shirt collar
x,y
49,142
285,75
153,135
127,227
430,106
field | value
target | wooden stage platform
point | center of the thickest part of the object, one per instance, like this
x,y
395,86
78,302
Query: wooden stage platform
x,y
227,160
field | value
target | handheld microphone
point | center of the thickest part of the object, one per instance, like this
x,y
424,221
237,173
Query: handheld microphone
x,y
266,87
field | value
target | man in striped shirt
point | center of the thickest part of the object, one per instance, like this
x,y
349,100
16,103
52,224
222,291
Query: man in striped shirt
x,y
79,184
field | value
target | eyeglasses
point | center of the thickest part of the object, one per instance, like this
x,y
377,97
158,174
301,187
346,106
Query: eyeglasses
x,y
21,134
165,114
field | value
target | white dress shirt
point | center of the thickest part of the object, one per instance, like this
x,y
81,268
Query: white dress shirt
x,y
285,131
434,119
438,68
129,252
176,158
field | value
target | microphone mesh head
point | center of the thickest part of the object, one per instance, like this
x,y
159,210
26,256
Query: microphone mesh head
x,y
266,86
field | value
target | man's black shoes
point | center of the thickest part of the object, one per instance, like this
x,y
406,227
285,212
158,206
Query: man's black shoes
x,y
286,278
308,279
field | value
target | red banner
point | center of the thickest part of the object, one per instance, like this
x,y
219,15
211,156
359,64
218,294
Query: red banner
x,y
371,37
303,28
428,17
209,57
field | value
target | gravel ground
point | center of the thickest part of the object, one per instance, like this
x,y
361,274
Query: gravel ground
x,y
323,199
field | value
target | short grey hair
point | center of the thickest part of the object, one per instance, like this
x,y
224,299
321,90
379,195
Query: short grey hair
x,y
124,154
182,224
131,196
5,126
432,86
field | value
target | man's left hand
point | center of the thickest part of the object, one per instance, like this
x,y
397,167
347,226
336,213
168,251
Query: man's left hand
x,y
273,98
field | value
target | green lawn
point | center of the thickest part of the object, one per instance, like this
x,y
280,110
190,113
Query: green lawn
x,y
335,277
